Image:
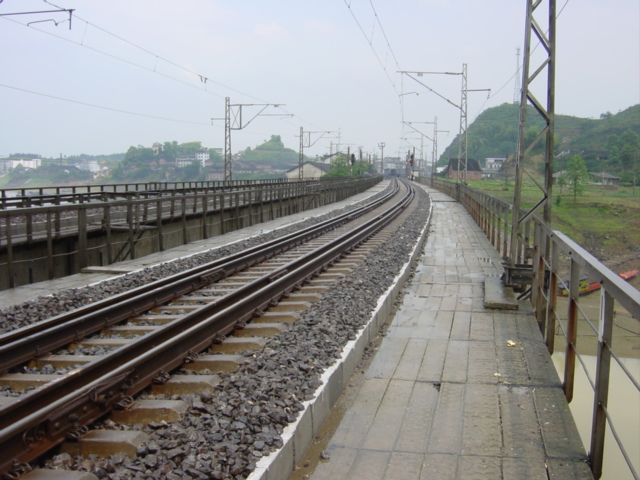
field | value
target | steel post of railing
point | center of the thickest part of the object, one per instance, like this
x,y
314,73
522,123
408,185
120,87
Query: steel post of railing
x,y
82,237
537,279
603,368
107,227
572,331
552,312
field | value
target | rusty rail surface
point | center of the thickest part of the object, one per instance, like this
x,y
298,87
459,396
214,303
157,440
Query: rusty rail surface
x,y
557,262
41,418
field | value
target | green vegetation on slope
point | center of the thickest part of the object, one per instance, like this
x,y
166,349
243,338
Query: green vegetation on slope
x,y
610,144
45,176
604,221
271,152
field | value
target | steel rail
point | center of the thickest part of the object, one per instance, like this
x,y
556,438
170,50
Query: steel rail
x,y
26,343
40,419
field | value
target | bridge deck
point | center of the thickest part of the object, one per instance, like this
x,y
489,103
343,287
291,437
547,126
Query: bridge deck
x,y
457,390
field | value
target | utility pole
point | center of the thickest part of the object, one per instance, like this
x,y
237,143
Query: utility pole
x,y
301,158
233,121
381,145
435,147
547,112
307,144
462,135
227,142
462,139
516,86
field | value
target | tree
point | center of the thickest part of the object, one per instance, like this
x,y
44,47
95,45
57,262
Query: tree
x,y
139,156
191,172
169,151
340,167
562,181
189,148
577,175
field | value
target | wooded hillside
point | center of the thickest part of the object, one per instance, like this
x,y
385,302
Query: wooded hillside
x,y
610,143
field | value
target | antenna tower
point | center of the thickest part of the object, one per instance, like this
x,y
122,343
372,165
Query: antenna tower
x,y
516,86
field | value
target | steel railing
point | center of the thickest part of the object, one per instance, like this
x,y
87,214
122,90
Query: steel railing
x,y
106,231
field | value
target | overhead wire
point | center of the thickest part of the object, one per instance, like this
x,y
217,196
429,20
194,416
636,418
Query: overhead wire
x,y
204,79
370,42
384,34
100,106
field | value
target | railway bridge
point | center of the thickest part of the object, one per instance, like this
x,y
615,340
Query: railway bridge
x,y
446,375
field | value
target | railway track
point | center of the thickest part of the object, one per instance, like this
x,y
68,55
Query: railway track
x,y
39,419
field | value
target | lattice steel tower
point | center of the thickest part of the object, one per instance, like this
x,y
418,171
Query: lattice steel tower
x,y
516,85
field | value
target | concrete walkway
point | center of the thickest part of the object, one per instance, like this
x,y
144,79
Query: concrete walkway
x,y
456,390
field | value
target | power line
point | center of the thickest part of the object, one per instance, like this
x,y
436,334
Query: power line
x,y
384,34
204,79
101,106
370,42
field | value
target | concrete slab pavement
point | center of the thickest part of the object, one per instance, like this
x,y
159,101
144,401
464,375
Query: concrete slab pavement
x,y
457,390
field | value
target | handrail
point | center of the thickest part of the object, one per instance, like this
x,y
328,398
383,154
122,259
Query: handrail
x,y
104,231
552,255
26,197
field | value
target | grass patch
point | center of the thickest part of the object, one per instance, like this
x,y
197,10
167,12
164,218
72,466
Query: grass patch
x,y
599,219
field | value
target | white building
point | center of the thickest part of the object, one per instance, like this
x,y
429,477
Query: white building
x,y
202,157
494,163
182,162
25,162
89,165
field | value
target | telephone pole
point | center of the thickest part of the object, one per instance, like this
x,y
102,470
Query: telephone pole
x,y
233,121
435,147
516,86
462,138
306,144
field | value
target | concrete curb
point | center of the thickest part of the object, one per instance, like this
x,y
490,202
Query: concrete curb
x,y
298,436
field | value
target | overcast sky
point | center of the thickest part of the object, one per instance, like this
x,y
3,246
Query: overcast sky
x,y
132,73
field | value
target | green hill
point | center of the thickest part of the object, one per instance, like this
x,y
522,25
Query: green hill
x,y
272,152
608,143
45,176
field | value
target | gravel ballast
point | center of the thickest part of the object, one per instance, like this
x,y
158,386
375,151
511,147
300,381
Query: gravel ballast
x,y
226,432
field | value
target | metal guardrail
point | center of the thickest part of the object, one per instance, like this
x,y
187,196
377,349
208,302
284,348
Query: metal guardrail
x,y
57,195
557,263
187,215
